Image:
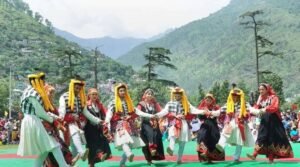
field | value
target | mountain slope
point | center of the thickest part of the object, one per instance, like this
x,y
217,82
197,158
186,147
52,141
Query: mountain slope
x,y
26,43
218,48
112,47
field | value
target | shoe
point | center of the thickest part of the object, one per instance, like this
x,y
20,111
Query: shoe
x,y
251,156
130,158
75,159
149,163
209,161
170,151
85,154
179,162
203,156
236,161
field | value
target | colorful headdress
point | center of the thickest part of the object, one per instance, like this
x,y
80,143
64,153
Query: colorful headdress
x,y
184,100
269,89
92,90
118,101
37,82
230,102
72,94
203,103
146,92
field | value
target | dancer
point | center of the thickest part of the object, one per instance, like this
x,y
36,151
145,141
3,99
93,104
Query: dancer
x,y
178,112
124,123
72,108
97,143
53,131
272,140
236,131
150,132
34,139
209,134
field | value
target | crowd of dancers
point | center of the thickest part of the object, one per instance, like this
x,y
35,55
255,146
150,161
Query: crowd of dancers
x,y
56,135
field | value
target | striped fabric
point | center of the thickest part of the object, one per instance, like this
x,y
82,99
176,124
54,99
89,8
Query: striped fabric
x,y
237,107
175,107
26,106
77,108
124,106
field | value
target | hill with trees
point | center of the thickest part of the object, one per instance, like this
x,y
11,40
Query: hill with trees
x,y
28,44
218,48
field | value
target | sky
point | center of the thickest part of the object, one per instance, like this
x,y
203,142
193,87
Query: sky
x,y
123,18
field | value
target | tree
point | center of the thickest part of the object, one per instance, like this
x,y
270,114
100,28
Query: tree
x,y
157,57
261,42
4,94
161,92
38,17
220,91
49,25
70,53
215,90
201,93
242,85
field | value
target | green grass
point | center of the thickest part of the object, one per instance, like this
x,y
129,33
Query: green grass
x,y
189,150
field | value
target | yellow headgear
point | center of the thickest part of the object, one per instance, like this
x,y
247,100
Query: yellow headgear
x,y
184,100
72,94
230,102
118,102
36,81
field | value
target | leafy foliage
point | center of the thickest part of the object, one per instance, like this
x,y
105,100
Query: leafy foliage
x,y
157,57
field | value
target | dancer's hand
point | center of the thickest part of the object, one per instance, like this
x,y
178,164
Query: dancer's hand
x,y
180,116
156,116
207,112
101,122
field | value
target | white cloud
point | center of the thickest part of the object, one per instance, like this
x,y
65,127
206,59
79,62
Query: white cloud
x,y
122,18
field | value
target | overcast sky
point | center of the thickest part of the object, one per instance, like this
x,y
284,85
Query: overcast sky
x,y
123,18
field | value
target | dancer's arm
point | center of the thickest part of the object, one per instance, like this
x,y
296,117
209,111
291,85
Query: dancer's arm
x,y
91,117
142,114
39,110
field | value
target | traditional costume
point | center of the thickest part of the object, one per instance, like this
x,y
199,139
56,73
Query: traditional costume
x,y
272,139
72,108
34,139
97,143
124,123
150,132
236,130
53,131
178,112
209,133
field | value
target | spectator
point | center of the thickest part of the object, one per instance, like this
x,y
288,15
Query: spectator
x,y
294,134
9,127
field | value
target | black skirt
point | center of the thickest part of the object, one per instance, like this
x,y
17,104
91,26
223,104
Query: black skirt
x,y
272,138
96,143
152,137
207,138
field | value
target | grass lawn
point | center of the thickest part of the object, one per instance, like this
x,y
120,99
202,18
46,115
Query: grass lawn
x,y
189,161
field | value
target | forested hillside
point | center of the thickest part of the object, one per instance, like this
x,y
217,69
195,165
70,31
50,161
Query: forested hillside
x,y
28,44
219,48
